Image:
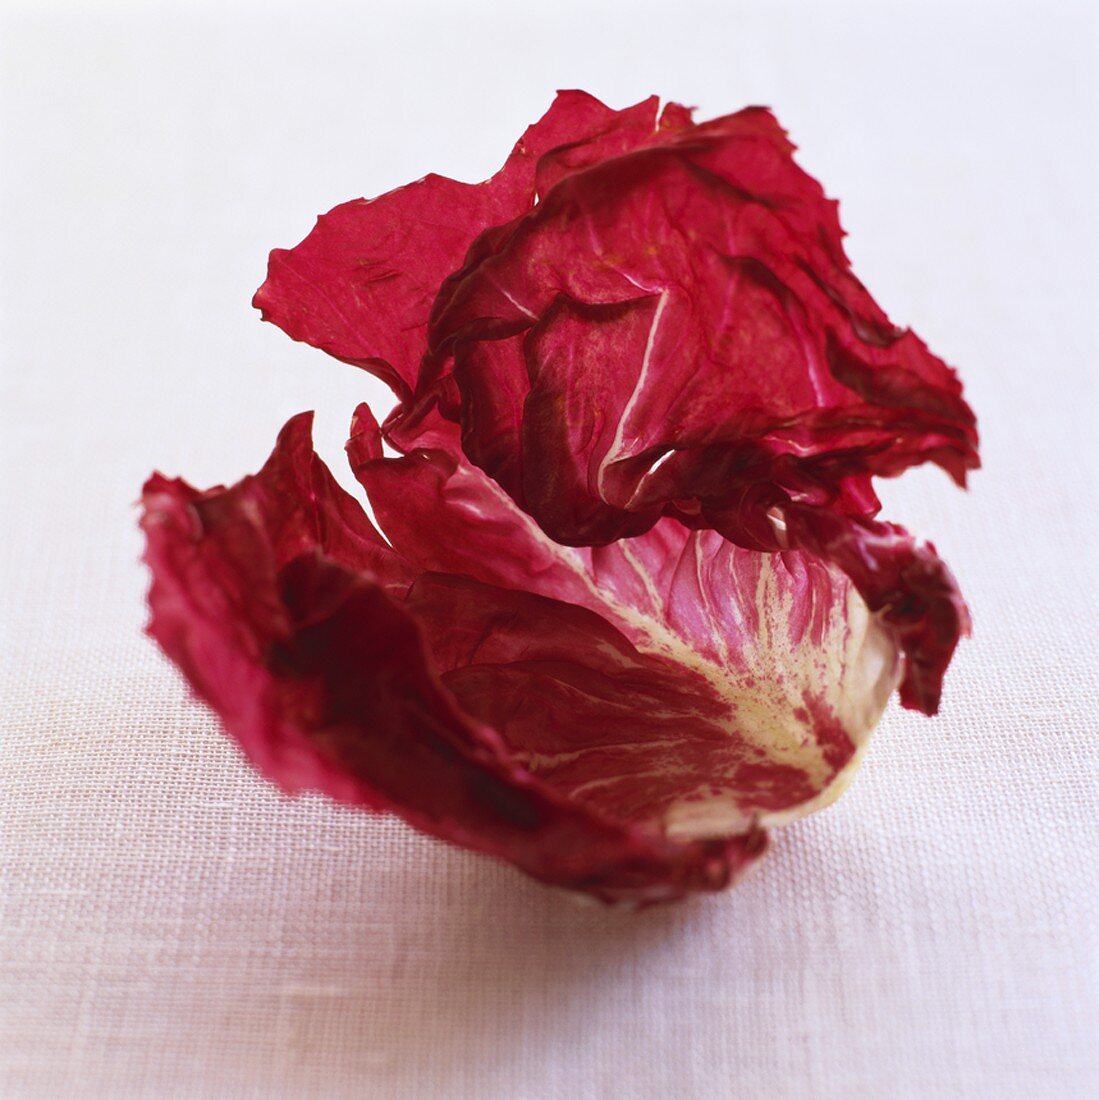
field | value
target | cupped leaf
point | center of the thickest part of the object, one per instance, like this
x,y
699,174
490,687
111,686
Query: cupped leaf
x,y
673,678
292,619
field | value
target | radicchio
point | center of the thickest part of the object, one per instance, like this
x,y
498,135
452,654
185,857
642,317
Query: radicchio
x,y
632,605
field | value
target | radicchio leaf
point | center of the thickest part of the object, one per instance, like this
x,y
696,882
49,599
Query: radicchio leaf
x,y
289,616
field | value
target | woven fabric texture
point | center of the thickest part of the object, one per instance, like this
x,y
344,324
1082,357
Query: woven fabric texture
x,y
170,926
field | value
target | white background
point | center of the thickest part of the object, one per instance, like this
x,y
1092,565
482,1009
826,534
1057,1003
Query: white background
x,y
172,927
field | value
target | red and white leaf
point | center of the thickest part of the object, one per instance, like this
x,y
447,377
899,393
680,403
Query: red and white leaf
x,y
287,617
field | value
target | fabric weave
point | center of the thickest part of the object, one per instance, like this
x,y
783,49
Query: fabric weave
x,y
172,927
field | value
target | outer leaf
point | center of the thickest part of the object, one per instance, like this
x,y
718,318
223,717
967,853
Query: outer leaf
x,y
283,608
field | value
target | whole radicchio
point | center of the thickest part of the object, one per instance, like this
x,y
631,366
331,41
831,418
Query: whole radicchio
x,y
631,606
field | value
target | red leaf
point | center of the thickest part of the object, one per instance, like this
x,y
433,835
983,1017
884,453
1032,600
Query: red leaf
x,y
285,611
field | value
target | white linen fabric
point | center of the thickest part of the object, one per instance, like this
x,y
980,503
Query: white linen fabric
x,y
171,926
